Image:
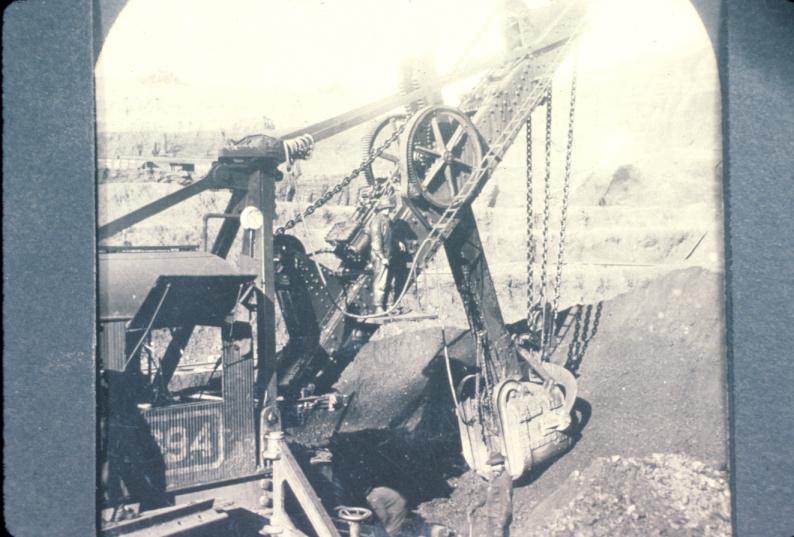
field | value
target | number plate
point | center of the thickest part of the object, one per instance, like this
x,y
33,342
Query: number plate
x,y
190,438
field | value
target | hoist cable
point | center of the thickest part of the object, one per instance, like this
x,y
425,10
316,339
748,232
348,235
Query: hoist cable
x,y
566,190
546,206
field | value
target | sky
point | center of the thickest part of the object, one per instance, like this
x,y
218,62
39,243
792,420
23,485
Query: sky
x,y
200,64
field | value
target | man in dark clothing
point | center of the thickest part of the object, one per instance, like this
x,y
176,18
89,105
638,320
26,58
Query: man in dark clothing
x,y
380,232
390,508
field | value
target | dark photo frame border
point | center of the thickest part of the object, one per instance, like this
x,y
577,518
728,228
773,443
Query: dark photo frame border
x,y
49,303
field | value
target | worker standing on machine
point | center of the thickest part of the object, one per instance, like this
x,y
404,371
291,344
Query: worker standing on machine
x,y
380,232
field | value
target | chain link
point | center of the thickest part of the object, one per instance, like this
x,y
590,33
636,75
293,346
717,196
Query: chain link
x,y
575,344
341,185
582,335
566,190
596,321
530,222
546,205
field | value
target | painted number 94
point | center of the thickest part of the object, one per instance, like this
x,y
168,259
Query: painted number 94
x,y
180,447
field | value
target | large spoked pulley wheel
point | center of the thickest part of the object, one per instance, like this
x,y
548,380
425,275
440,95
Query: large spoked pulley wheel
x,y
441,153
388,163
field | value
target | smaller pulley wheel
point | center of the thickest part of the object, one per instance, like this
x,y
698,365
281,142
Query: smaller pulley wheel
x,y
441,154
388,163
354,514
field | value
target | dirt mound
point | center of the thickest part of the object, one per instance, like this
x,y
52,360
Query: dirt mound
x,y
664,494
654,370
651,379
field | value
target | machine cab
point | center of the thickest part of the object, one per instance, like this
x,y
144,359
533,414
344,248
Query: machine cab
x,y
176,364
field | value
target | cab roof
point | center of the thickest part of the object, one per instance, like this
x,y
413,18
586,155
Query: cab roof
x,y
177,287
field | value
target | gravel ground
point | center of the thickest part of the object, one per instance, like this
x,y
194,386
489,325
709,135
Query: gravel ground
x,y
663,494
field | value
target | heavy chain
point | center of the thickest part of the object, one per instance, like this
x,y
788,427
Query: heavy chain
x,y
530,218
496,151
546,205
575,344
341,185
497,148
566,190
582,334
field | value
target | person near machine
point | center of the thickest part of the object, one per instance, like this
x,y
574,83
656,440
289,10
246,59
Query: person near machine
x,y
395,520
390,508
381,249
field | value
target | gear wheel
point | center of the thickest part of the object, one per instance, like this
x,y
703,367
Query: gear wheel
x,y
387,163
441,152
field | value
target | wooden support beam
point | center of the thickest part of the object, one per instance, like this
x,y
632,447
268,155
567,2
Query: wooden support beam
x,y
287,471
